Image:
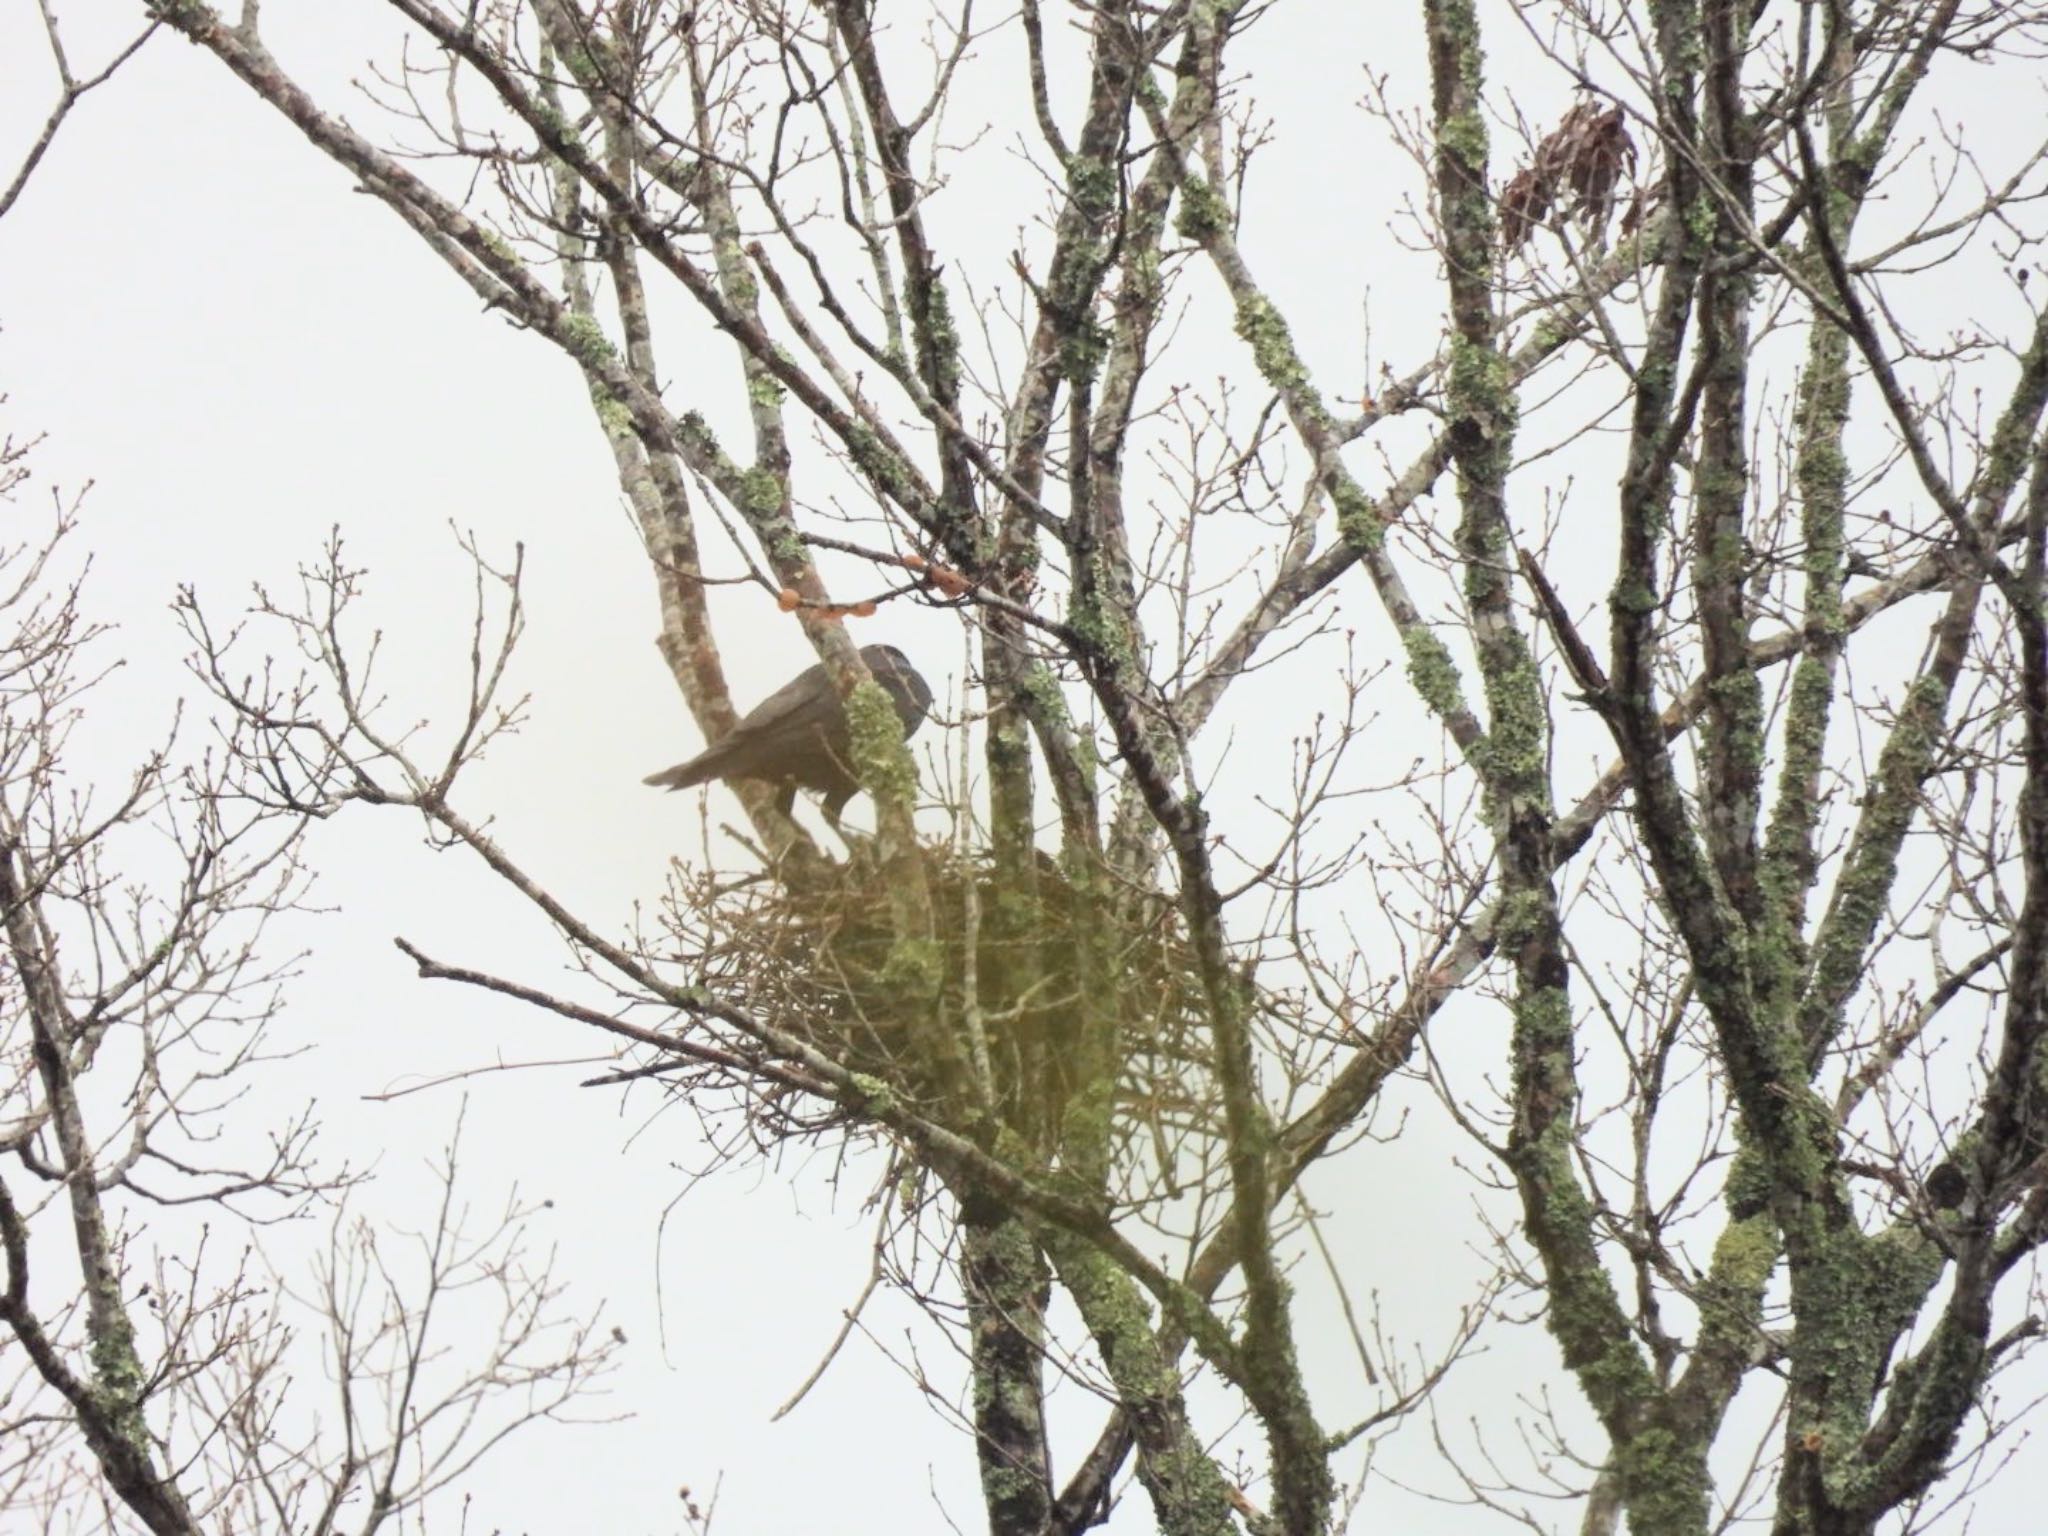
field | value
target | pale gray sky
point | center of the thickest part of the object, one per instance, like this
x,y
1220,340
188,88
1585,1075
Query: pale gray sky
x,y
243,352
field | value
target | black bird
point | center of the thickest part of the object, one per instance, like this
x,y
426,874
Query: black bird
x,y
797,736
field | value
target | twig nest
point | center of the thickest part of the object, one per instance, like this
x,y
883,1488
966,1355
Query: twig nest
x,y
1029,984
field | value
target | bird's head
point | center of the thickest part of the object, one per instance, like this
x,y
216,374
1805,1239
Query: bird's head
x,y
885,661
892,669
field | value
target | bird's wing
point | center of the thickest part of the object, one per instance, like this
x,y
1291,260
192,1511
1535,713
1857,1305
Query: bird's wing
x,y
802,692
786,703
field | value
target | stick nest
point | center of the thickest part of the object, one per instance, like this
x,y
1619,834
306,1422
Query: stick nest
x,y
819,959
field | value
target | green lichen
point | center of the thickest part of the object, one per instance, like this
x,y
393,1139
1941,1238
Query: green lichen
x,y
1518,732
1092,183
1094,620
1432,672
873,459
1464,135
1265,331
1082,349
612,414
1203,212
1087,762
1042,689
1806,718
915,970
1852,1295
1358,518
1865,886
1702,218
876,1096
1143,286
940,343
742,291
696,436
1632,595
1088,1129
1731,1300
587,343
1481,383
582,62
1584,1314
117,1373
1007,1490
556,131
1551,332
760,493
1664,1482
1738,702
1748,1189
875,735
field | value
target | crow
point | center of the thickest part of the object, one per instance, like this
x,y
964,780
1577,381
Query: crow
x,y
797,736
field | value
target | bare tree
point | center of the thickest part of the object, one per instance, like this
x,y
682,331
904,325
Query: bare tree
x,y
155,1368
1736,895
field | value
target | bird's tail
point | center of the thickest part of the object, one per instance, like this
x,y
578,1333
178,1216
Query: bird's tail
x,y
697,770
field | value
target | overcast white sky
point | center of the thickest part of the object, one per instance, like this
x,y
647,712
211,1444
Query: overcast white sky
x,y
242,352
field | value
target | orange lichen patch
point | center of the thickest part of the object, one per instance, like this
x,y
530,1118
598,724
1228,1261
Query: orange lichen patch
x,y
864,609
944,577
948,580
788,600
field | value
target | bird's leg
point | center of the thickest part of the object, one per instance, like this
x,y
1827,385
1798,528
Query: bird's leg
x,y
785,799
860,846
834,805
